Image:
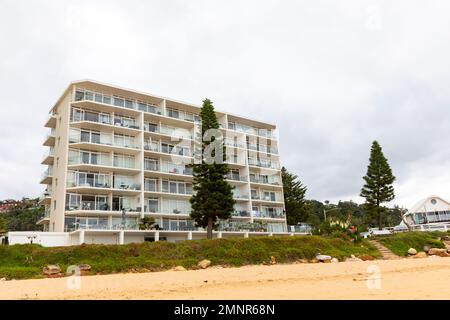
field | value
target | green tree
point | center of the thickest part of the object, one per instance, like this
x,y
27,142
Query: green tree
x,y
3,225
378,187
294,198
213,197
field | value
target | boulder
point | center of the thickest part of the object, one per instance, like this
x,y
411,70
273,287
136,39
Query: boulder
x,y
366,257
445,238
302,261
204,264
334,260
273,260
426,248
420,255
3,279
323,258
179,268
412,251
438,252
353,259
51,269
84,267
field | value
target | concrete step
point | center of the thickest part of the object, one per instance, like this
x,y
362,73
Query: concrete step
x,y
386,254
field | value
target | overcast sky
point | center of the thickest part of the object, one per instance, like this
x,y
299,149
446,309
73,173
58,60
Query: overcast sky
x,y
333,75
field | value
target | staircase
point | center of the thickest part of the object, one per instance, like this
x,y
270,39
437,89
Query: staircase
x,y
386,254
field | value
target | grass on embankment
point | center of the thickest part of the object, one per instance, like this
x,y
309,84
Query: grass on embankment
x,y
27,261
400,243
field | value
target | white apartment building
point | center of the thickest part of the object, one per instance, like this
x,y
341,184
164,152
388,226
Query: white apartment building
x,y
117,155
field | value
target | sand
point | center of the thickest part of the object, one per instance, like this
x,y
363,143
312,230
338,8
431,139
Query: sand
x,y
427,278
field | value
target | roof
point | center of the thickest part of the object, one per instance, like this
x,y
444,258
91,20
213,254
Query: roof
x,y
431,204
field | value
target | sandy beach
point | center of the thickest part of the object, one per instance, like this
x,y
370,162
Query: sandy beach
x,y
427,278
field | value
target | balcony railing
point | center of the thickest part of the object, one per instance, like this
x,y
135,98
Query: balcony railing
x,y
251,130
172,150
242,226
241,196
241,213
180,134
103,139
86,95
262,148
168,168
264,164
269,180
157,188
236,177
47,173
277,214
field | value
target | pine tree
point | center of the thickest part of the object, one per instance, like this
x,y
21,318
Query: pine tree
x,y
213,197
379,179
294,198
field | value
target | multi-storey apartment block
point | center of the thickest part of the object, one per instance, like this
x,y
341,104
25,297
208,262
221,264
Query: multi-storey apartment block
x,y
117,155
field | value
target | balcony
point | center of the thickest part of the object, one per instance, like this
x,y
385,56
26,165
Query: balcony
x,y
173,133
264,164
45,217
51,121
49,157
180,189
266,133
50,138
231,226
84,119
168,168
115,101
265,180
167,149
241,197
273,214
241,214
236,177
262,148
47,176
45,198
104,139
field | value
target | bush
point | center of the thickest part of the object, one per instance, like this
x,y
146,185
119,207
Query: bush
x,y
399,243
27,261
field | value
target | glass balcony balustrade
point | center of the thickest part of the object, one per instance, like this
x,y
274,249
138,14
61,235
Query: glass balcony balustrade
x,y
236,177
269,213
86,95
264,163
108,139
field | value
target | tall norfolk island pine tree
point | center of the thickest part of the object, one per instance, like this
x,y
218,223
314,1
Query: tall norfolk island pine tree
x,y
213,198
379,179
294,198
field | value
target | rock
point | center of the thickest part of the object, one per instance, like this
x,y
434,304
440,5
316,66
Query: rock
x,y
323,258
51,269
426,248
204,264
84,267
273,260
420,255
334,260
412,251
314,261
366,257
302,261
3,279
353,259
445,238
179,268
437,252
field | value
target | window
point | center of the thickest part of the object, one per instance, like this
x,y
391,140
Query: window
x,y
119,102
54,204
153,205
79,95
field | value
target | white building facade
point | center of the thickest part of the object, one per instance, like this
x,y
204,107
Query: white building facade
x,y
117,155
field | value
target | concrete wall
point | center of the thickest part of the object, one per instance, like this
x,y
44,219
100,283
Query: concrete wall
x,y
46,239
